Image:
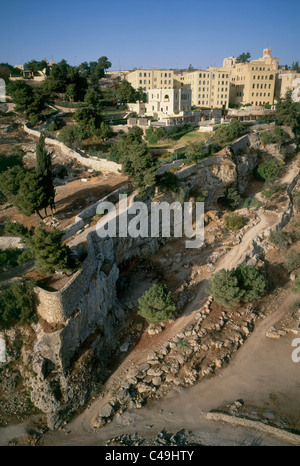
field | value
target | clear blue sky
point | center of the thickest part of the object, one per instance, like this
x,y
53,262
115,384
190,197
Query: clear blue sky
x,y
163,34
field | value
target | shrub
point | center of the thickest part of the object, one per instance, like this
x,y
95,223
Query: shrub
x,y
156,304
296,287
267,170
278,135
279,238
233,198
226,133
243,284
71,136
292,260
233,222
252,202
271,187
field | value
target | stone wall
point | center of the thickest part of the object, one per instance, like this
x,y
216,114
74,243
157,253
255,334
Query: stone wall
x,y
90,162
11,242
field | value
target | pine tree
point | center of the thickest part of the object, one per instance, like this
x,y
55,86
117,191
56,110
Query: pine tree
x,y
43,169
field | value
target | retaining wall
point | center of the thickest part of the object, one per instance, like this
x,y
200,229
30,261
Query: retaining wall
x,y
90,162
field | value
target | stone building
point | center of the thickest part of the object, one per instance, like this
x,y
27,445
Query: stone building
x,y
288,80
210,88
162,103
254,82
151,79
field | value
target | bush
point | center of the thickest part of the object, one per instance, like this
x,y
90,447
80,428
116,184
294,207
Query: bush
x,y
233,198
71,136
227,133
153,135
296,287
271,187
233,222
292,260
267,170
243,284
276,136
279,238
156,304
252,202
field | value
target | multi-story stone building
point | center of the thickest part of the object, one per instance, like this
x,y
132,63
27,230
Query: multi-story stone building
x,y
254,82
288,80
151,79
164,102
210,88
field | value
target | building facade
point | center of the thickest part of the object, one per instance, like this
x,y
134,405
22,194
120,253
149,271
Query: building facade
x,y
254,82
210,88
288,80
151,79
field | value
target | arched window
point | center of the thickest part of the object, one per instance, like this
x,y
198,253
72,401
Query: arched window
x,y
166,96
271,76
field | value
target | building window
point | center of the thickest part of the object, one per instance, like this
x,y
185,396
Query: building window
x,y
141,74
141,82
271,77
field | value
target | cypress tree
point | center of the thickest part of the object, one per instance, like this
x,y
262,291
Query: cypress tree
x,y
43,169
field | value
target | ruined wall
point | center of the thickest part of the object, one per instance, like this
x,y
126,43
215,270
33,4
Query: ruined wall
x,y
94,163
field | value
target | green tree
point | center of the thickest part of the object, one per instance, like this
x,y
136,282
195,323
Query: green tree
x,y
17,304
28,100
46,247
125,92
31,196
227,133
72,136
88,119
43,170
35,66
242,284
232,197
156,304
267,170
93,99
11,159
168,182
10,181
190,68
195,152
243,57
286,111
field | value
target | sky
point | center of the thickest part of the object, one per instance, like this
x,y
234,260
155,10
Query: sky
x,y
139,34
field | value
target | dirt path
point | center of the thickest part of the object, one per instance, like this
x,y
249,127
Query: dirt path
x,y
260,368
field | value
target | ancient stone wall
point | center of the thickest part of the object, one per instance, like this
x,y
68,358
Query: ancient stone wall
x,y
94,163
